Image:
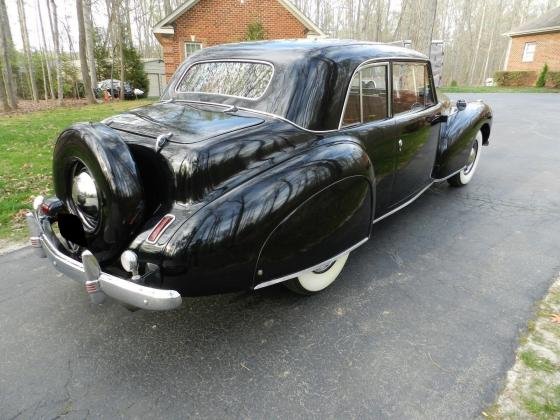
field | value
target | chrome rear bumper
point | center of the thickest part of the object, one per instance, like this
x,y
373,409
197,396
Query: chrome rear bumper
x,y
88,272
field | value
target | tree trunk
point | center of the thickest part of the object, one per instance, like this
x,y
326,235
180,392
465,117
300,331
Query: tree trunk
x,y
26,48
477,48
121,58
90,42
167,7
5,46
53,18
45,56
82,52
44,78
3,98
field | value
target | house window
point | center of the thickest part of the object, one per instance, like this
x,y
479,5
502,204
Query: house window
x,y
529,51
191,48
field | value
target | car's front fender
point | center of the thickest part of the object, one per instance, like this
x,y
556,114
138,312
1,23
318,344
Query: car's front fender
x,y
457,136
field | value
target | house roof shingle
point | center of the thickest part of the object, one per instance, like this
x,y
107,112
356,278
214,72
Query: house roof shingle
x,y
548,22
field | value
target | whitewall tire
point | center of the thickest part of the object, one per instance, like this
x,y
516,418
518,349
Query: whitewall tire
x,y
318,279
467,173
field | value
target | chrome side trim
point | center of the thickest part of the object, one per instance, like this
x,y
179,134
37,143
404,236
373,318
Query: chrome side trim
x,y
255,111
402,206
291,276
447,177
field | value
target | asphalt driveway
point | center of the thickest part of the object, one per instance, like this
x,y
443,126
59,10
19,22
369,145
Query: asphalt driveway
x,y
422,323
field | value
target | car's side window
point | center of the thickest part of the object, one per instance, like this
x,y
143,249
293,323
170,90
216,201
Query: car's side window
x,y
412,89
367,99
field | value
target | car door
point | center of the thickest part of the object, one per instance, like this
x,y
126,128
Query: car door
x,y
367,116
416,114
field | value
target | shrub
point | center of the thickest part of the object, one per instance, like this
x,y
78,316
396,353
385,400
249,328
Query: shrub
x,y
515,78
255,31
541,81
454,83
553,79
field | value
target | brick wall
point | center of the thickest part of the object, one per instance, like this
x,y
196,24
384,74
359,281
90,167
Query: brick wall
x,y
546,51
213,22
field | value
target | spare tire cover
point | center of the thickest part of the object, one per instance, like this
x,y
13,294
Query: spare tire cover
x,y
95,175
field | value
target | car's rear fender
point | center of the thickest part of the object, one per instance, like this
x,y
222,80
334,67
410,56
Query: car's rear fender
x,y
217,249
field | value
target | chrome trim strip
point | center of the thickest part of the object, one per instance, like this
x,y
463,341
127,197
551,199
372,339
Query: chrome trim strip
x,y
228,60
255,111
437,180
291,276
120,289
366,64
402,206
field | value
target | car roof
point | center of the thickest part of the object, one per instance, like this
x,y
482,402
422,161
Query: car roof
x,y
294,49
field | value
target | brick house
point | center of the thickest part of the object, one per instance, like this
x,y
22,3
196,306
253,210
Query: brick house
x,y
201,23
535,43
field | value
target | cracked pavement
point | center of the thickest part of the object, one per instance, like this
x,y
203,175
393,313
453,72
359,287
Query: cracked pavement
x,y
422,323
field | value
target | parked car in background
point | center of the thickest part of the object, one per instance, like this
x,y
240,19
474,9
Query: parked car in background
x,y
114,89
263,163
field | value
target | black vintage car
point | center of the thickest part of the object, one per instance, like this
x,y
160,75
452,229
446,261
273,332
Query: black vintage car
x,y
263,162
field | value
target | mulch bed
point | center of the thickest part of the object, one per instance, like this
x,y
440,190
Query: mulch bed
x,y
25,106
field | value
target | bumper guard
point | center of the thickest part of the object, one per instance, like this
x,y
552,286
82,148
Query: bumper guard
x,y
88,272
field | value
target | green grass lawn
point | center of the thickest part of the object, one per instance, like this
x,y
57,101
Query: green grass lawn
x,y
495,89
26,143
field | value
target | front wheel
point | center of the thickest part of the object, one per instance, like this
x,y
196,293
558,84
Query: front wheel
x,y
467,173
318,279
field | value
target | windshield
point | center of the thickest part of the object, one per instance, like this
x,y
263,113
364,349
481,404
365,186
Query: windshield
x,y
240,79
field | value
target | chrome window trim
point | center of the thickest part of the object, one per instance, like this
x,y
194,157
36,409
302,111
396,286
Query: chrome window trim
x,y
227,60
430,81
364,65
298,273
333,130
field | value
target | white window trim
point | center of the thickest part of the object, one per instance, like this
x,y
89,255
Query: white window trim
x,y
525,58
190,43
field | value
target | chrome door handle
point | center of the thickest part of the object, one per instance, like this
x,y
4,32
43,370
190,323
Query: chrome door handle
x,y
400,143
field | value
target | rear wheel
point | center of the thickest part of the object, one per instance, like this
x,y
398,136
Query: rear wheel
x,y
318,279
464,177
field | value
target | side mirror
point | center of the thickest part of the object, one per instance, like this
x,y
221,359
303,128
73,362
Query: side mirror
x,y
461,104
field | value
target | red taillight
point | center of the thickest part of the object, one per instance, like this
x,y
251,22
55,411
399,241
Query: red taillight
x,y
45,208
50,207
160,227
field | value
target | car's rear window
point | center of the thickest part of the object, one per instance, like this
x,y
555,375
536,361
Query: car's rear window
x,y
241,79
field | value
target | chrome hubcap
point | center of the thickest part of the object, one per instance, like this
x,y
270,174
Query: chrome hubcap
x,y
472,158
85,197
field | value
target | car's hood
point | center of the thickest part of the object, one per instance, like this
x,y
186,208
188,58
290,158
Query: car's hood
x,y
189,123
